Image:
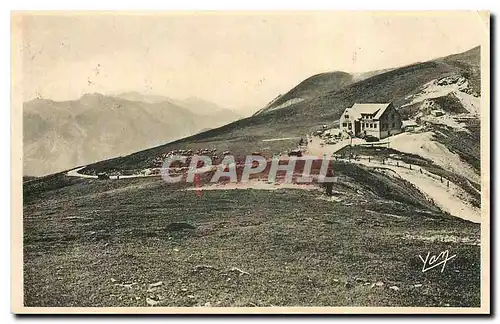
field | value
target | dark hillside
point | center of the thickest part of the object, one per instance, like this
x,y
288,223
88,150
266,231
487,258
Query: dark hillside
x,y
312,87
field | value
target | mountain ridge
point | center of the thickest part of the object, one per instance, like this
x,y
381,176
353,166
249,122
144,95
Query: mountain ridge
x,y
298,119
61,134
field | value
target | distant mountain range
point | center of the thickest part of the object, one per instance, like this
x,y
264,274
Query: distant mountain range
x,y
61,135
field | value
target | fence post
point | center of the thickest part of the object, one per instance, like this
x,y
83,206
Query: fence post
x,y
397,163
448,184
441,178
421,170
410,166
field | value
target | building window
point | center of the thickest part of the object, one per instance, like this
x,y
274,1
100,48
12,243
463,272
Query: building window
x,y
374,125
350,125
346,116
393,125
344,124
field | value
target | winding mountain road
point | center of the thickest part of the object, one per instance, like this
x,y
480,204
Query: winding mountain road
x,y
75,173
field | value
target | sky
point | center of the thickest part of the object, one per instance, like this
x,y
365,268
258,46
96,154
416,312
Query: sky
x,y
240,61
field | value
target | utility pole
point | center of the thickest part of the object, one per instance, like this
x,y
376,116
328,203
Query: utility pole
x,y
388,141
350,147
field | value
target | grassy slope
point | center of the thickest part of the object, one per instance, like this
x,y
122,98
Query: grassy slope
x,y
449,103
312,87
297,247
245,136
468,185
465,144
469,65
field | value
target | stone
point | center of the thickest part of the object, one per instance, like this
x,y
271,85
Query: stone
x,y
179,226
156,284
201,267
151,302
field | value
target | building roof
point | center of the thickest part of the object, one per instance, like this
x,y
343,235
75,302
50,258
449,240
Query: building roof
x,y
367,108
406,123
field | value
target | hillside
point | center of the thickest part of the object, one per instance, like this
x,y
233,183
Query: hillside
x,y
139,241
299,118
315,86
60,135
143,242
309,88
